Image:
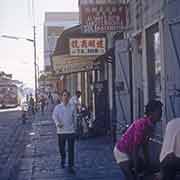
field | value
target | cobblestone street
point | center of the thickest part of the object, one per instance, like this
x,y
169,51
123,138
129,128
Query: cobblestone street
x,y
41,161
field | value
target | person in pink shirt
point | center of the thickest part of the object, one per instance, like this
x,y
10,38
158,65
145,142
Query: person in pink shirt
x,y
136,137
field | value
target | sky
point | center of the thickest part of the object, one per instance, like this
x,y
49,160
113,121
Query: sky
x,y
16,56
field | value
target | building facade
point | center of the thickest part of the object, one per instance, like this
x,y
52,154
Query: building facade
x,y
75,59
54,24
152,36
148,64
141,60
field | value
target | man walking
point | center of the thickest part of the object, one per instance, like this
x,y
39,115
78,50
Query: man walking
x,y
32,105
75,100
50,102
64,116
43,103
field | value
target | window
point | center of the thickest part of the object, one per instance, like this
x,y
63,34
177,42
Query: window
x,y
153,62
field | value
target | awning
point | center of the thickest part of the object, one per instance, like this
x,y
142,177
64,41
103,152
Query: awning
x,y
62,45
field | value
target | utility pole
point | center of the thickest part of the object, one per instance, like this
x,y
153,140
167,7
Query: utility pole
x,y
35,64
34,47
35,56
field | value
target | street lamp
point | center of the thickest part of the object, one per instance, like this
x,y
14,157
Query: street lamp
x,y
16,38
35,64
10,37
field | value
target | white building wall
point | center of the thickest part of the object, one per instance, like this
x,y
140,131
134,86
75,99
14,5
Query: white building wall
x,y
137,69
143,14
171,28
122,84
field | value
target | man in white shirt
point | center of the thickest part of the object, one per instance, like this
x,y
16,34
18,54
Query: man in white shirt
x,y
64,116
75,100
170,152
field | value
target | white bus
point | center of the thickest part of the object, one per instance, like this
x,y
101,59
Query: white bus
x,y
10,95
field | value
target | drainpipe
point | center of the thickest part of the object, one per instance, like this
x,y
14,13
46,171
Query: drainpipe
x,y
131,82
114,110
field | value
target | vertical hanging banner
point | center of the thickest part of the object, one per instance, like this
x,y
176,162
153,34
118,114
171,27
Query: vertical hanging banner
x,y
102,18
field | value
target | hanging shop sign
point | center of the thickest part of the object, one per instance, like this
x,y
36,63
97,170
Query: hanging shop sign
x,y
66,64
87,46
101,18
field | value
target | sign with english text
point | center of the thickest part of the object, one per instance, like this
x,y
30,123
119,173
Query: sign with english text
x,y
102,18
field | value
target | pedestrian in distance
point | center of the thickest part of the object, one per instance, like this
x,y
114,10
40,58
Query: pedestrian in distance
x,y
136,138
57,98
50,102
64,116
84,120
170,152
24,109
24,116
43,103
31,105
75,100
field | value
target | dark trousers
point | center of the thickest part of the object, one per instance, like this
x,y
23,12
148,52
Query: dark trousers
x,y
126,168
169,167
42,108
70,138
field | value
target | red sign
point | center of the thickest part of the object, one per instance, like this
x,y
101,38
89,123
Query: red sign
x,y
103,17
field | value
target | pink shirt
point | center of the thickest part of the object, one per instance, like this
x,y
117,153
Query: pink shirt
x,y
137,134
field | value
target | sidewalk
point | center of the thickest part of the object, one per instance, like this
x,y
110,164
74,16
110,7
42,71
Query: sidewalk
x,y
94,159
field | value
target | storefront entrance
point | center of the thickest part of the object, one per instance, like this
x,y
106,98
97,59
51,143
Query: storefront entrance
x,y
102,121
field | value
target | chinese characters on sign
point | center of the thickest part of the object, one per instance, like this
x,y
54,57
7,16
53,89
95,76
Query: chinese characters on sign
x,y
72,68
73,64
87,46
103,18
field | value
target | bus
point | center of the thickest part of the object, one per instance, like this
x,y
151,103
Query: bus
x,y
10,95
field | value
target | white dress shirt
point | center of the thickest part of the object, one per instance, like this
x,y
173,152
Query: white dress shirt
x,y
75,101
171,143
64,117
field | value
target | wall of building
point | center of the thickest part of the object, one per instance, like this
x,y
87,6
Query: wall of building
x,y
51,34
54,24
144,15
171,29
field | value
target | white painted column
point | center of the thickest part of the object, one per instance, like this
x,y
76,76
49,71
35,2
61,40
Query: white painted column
x,y
163,74
79,81
144,62
110,85
93,95
86,88
98,75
